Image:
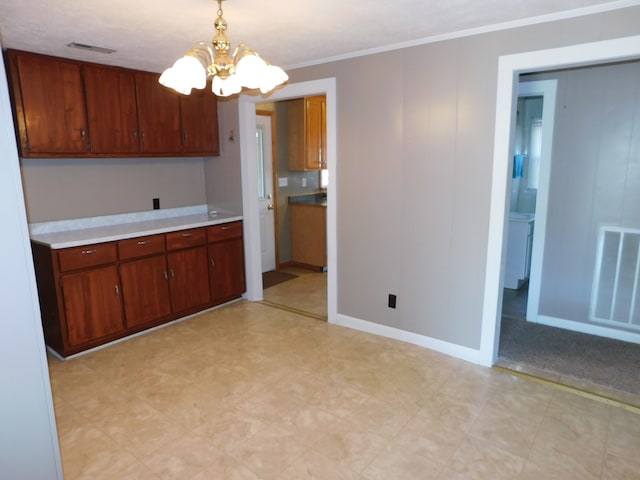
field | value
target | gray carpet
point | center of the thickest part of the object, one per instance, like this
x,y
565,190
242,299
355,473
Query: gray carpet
x,y
595,359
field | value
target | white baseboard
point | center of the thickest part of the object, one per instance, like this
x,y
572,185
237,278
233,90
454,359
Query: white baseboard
x,y
451,349
589,328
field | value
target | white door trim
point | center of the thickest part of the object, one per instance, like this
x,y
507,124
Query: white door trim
x,y
247,120
547,89
509,67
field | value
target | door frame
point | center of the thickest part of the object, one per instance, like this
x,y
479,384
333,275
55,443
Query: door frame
x,y
547,89
509,69
249,169
274,177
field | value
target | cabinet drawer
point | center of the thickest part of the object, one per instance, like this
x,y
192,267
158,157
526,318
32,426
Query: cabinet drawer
x,y
186,238
86,256
140,246
224,231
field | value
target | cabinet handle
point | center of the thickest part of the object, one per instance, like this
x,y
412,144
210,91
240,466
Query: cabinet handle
x,y
173,275
144,242
213,263
89,252
83,133
135,133
142,134
166,277
185,136
117,291
226,228
187,234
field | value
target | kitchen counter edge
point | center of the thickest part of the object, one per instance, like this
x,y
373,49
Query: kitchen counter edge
x,y
123,231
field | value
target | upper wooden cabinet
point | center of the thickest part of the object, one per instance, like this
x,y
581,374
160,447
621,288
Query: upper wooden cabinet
x,y
307,133
111,109
67,108
199,115
158,115
50,108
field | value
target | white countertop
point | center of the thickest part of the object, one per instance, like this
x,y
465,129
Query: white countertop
x,y
87,231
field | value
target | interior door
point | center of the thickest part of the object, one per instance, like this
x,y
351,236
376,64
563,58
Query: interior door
x,y
265,192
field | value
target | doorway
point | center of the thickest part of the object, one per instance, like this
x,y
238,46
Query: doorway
x,y
510,68
247,117
527,210
299,204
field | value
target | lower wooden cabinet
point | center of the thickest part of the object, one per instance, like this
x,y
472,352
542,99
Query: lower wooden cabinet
x,y
309,235
189,278
226,259
92,304
95,294
145,289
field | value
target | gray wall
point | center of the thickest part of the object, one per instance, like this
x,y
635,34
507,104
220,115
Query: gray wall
x,y
595,179
28,438
415,146
222,174
57,189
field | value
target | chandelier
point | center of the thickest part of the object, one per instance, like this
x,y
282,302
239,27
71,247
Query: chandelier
x,y
229,73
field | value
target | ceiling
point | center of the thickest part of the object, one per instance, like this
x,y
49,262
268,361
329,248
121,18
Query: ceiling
x,y
152,34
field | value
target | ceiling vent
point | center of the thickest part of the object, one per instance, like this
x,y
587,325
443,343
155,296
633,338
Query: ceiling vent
x,y
91,48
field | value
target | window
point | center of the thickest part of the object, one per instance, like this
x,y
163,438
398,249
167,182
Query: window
x,y
535,150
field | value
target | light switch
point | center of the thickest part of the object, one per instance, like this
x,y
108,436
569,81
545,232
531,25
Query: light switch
x,y
304,182
283,181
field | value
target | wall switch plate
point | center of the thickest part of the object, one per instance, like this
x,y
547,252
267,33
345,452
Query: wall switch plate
x,y
304,182
156,203
392,301
283,181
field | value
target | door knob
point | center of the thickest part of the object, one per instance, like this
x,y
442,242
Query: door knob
x,y
270,207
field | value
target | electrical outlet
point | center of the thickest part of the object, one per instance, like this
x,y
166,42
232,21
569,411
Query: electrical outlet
x,y
392,301
156,203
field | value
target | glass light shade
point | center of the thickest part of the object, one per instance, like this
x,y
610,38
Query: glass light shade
x,y
251,69
273,77
225,87
186,73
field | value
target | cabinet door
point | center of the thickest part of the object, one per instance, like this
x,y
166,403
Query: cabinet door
x,y
111,110
315,134
145,290
189,278
53,110
309,235
158,116
199,114
92,304
226,262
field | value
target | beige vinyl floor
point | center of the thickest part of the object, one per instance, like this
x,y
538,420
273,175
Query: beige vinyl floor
x,y
249,392
307,293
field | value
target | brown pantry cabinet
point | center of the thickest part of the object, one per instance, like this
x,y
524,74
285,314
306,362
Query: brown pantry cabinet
x,y
68,108
94,294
